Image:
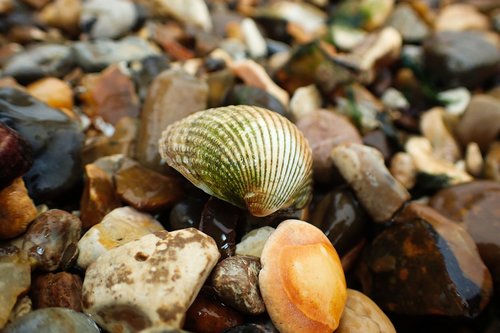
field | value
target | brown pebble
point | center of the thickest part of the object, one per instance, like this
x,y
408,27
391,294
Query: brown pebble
x,y
57,290
17,209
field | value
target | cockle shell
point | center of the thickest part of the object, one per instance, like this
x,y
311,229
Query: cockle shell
x,y
248,156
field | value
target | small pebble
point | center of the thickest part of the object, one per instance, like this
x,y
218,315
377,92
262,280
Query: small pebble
x,y
107,19
18,210
252,243
59,290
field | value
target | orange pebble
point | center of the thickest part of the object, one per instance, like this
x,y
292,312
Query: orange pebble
x,y
54,92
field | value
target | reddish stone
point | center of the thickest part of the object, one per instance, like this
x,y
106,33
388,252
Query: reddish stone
x,y
57,290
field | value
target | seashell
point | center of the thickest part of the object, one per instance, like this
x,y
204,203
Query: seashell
x,y
248,156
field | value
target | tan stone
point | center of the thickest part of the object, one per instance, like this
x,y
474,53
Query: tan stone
x,y
54,92
17,210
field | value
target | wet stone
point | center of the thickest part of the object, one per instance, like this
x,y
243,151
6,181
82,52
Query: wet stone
x,y
145,189
461,17
236,283
15,155
148,282
425,264
55,139
460,58
248,95
473,205
51,240
119,227
207,315
108,19
93,56
219,220
186,213
57,290
18,210
53,320
40,61
252,243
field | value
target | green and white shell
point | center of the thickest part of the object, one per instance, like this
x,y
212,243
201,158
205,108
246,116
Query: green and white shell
x,y
249,156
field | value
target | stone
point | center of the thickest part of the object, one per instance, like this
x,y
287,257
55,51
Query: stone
x,y
368,14
120,226
403,169
346,38
187,11
23,306
434,129
341,218
461,17
94,56
304,102
110,96
16,157
480,122
39,61
145,70
265,327
56,141
301,280
18,210
408,22
252,243
63,14
474,162
364,170
207,315
456,100
186,213
492,162
473,206
98,198
249,95
55,92
5,6
254,40
425,264
53,320
172,96
153,279
236,282
108,19
324,130
146,189
51,240
58,290
362,315
15,274
460,58
38,4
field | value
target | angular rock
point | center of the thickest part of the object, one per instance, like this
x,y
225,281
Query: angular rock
x,y
119,227
236,283
59,290
15,274
364,170
15,155
324,130
425,264
18,210
152,280
39,61
54,137
145,189
108,19
456,59
172,96
253,242
53,320
51,240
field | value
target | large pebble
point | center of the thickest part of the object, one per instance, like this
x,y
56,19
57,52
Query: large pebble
x,y
15,155
425,264
108,19
53,320
61,289
301,280
119,227
150,281
173,95
51,240
236,282
56,141
364,170
40,61
18,210
15,277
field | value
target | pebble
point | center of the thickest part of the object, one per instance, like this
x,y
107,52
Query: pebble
x,y
51,240
53,91
58,290
301,280
423,248
369,14
324,130
62,14
23,306
460,58
364,170
253,242
152,280
146,189
172,96
492,162
99,196
403,169
474,162
15,274
306,16
254,40
15,155
107,19
304,102
461,17
456,100
18,210
248,95
265,327
55,139
434,128
186,213
120,226
187,11
408,22
39,61
53,320
93,56
236,282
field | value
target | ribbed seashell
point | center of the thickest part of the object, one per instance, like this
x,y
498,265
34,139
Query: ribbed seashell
x,y
249,156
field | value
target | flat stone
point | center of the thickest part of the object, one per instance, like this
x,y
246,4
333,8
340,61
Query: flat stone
x,y
152,280
119,227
